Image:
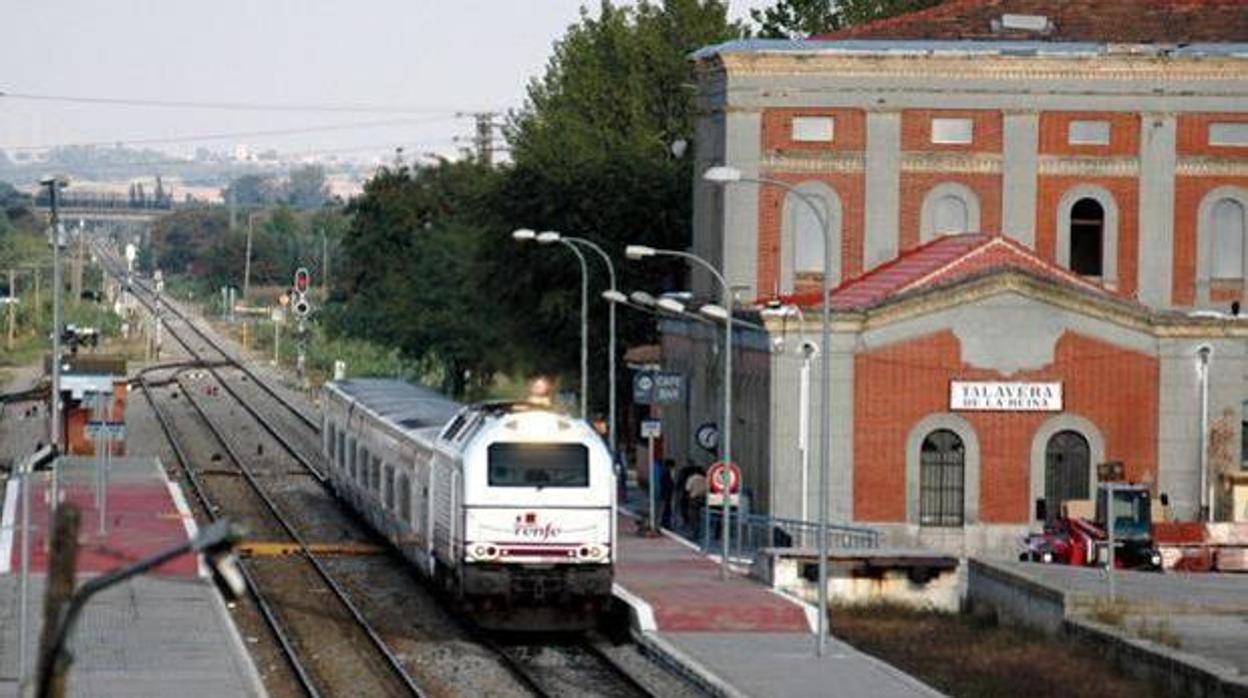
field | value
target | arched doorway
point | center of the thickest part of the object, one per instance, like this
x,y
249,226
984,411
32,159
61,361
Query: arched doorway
x,y
942,465
1067,467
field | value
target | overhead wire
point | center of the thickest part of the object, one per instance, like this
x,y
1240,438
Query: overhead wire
x,y
243,106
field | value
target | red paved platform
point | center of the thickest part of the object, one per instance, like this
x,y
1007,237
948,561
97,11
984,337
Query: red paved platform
x,y
683,588
144,515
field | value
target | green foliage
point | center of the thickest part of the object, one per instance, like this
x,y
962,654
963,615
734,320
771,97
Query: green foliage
x,y
592,158
307,188
253,190
412,272
798,19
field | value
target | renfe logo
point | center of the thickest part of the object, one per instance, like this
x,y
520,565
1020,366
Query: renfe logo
x,y
528,528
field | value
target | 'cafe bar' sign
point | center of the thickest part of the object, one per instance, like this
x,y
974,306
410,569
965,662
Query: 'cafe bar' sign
x,y
1005,397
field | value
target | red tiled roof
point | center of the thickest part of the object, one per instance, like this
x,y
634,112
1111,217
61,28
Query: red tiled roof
x,y
1100,21
939,263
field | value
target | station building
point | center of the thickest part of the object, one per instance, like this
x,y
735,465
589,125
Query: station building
x,y
1038,220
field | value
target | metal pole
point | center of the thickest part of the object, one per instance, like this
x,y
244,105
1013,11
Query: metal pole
x,y
23,652
55,413
277,342
654,483
12,308
247,261
1206,492
324,266
611,340
580,257
727,531
1110,489
825,393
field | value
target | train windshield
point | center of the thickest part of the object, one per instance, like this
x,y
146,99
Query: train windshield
x,y
538,465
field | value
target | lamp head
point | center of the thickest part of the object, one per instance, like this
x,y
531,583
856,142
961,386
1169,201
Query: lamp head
x,y
642,298
523,234
549,237
722,174
671,305
638,252
714,311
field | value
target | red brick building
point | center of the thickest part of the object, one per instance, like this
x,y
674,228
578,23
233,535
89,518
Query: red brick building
x,y
1033,195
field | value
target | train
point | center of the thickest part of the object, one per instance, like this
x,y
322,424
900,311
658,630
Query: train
x,y
508,506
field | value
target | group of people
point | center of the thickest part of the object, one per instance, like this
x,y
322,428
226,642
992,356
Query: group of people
x,y
682,492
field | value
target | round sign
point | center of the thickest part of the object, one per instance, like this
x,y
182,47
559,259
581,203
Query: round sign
x,y
723,476
645,383
708,436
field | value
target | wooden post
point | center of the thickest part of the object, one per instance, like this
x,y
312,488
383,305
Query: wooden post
x,y
62,566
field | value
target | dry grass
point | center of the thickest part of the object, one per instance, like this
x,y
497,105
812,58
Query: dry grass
x,y
973,656
1107,612
1159,631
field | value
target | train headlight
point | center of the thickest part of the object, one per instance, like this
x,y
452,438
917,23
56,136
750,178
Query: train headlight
x,y
1155,558
1047,557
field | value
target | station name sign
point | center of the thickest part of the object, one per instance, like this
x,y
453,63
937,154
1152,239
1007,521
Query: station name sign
x,y
1005,397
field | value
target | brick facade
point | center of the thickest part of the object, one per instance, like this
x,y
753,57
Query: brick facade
x,y
898,385
916,185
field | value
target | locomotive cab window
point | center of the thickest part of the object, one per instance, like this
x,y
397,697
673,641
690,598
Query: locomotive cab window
x,y
538,465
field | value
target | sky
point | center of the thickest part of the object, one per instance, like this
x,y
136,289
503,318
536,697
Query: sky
x,y
426,60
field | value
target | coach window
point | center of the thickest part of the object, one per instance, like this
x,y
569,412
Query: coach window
x,y
942,463
327,446
388,494
405,498
374,476
352,461
341,449
1087,237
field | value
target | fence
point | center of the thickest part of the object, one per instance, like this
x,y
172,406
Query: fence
x,y
750,532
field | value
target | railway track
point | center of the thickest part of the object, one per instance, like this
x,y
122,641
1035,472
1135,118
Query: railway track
x,y
263,491
331,648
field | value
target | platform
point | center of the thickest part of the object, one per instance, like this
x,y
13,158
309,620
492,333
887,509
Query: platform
x,y
164,633
735,636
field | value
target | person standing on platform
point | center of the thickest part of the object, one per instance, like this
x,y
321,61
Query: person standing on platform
x,y
665,493
695,491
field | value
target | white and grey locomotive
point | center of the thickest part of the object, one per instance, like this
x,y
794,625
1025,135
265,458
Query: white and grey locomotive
x,y
508,505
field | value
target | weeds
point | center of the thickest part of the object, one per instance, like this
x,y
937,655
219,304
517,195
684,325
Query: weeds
x,y
1107,612
1159,631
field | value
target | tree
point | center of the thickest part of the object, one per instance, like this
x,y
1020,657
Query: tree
x,y
412,272
798,19
592,157
307,187
252,190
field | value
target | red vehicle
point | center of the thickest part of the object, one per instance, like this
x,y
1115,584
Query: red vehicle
x,y
1076,539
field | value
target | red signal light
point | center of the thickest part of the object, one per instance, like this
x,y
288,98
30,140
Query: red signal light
x,y
302,280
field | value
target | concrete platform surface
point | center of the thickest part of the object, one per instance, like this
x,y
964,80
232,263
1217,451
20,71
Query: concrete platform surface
x,y
147,637
683,588
737,637
1193,591
784,664
166,633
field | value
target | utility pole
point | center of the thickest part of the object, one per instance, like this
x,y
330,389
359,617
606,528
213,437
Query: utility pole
x,y
324,266
62,568
247,262
77,283
54,185
483,136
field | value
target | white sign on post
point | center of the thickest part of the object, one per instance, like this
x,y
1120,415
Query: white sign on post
x,y
651,429
1005,397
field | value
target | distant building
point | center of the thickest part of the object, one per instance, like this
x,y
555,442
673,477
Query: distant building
x,y
1024,197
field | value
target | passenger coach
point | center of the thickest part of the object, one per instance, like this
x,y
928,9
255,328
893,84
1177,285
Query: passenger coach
x,y
508,505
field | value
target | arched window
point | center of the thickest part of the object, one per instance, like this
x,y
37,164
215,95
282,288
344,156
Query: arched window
x,y
802,235
1067,468
950,216
1087,237
1228,240
942,464
949,208
808,235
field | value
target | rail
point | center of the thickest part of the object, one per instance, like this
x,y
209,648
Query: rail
x,y
753,532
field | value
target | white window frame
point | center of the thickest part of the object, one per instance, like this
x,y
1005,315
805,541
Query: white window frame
x,y
1109,232
927,214
1229,134
950,130
812,129
1205,237
820,192
1102,132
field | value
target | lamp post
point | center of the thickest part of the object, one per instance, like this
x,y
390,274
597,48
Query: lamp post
x,y
551,237
525,234
642,252
724,175
54,185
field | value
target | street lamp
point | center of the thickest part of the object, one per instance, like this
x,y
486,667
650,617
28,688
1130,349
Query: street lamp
x,y
54,185
724,174
550,237
525,234
638,252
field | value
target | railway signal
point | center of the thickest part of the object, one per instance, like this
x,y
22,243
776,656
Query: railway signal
x,y
302,280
